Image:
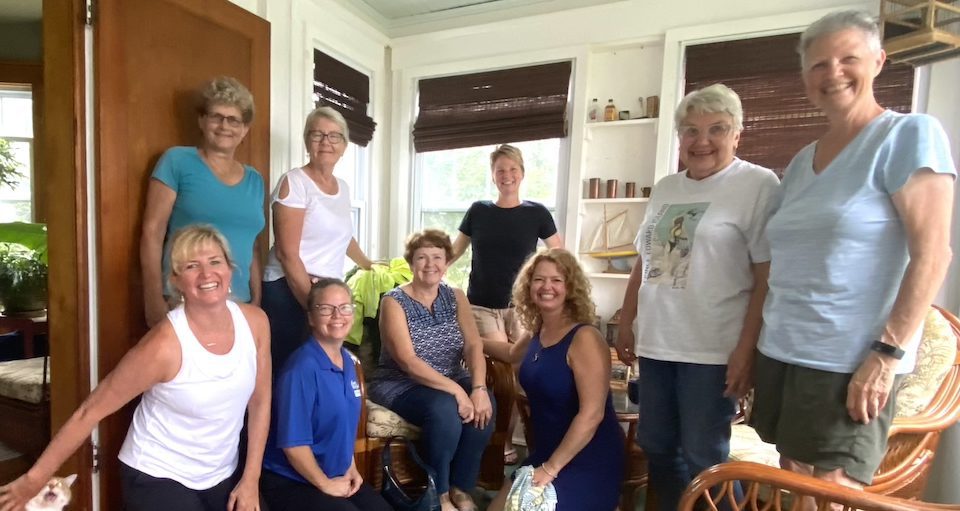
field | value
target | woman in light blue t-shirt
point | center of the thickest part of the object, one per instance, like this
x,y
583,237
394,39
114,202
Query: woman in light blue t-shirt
x,y
859,243
206,185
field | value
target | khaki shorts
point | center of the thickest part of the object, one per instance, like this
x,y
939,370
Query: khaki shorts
x,y
804,412
497,324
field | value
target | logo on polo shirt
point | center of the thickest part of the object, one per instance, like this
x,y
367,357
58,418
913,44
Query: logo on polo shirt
x,y
356,388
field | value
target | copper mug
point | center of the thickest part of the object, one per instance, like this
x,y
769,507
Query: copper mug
x,y
593,191
631,191
611,188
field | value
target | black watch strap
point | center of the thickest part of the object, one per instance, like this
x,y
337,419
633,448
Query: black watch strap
x,y
887,349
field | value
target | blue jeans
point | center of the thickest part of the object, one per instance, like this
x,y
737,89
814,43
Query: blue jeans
x,y
453,449
288,321
684,423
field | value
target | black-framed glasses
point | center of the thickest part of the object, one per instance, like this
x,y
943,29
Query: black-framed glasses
x,y
325,309
233,122
318,136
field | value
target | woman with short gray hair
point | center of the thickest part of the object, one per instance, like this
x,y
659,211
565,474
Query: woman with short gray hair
x,y
696,293
313,228
860,242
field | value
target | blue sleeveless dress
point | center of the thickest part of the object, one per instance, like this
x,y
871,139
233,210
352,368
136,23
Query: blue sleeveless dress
x,y
592,478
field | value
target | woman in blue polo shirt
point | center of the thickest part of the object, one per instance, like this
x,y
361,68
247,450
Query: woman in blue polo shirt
x,y
309,464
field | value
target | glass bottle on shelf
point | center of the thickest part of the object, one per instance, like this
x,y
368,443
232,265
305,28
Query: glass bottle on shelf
x,y
593,114
610,111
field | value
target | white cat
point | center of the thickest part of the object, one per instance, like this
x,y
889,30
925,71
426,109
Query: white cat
x,y
54,495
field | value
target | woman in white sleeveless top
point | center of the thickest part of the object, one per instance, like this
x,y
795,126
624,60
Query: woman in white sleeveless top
x,y
199,371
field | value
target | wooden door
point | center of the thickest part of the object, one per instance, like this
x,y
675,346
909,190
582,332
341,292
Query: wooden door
x,y
150,57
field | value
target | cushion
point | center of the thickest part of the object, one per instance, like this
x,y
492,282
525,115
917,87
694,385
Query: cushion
x,y
745,445
385,423
22,379
935,356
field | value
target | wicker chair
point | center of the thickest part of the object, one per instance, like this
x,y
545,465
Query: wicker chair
x,y
713,490
912,441
368,449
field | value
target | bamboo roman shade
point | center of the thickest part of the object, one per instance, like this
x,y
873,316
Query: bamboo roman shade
x,y
340,86
508,105
778,120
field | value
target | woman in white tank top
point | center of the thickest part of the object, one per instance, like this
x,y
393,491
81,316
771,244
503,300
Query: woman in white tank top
x,y
199,371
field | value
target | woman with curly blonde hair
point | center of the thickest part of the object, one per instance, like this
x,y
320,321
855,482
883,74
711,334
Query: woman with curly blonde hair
x,y
565,373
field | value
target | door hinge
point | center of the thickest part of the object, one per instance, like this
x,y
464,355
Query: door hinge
x,y
96,457
88,12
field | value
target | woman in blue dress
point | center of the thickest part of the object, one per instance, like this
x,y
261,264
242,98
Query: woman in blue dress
x,y
578,445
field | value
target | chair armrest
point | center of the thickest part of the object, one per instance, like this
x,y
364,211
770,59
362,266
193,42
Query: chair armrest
x,y
500,381
752,475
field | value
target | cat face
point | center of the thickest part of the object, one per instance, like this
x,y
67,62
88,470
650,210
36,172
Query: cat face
x,y
54,495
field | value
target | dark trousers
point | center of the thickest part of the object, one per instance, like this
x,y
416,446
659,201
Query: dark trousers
x,y
453,449
142,492
285,494
288,321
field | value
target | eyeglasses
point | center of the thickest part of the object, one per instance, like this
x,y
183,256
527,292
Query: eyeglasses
x,y
233,122
318,136
715,131
325,309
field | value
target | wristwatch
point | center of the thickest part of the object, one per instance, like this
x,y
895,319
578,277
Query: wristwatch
x,y
887,349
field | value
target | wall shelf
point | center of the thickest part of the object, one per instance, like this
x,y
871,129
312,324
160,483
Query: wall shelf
x,y
618,200
632,122
604,275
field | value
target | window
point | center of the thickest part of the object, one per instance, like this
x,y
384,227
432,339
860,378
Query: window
x,y
16,130
347,90
460,121
778,120
447,182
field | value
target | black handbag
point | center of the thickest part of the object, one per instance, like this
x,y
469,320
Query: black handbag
x,y
395,495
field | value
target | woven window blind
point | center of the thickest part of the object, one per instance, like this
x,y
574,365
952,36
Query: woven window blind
x,y
340,86
508,105
778,120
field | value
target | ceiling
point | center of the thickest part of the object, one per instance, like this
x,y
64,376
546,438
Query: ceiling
x,y
406,17
20,10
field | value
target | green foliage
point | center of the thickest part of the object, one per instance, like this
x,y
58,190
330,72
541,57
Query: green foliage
x,y
10,174
31,236
23,267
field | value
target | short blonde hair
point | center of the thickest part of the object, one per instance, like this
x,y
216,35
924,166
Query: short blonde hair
x,y
428,238
225,90
508,151
187,241
578,304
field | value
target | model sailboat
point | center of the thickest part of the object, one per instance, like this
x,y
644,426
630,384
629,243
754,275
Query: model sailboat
x,y
613,241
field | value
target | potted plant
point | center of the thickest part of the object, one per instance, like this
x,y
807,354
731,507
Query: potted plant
x,y
23,268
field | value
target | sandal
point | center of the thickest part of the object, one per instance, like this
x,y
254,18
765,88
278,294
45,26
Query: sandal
x,y
462,500
510,457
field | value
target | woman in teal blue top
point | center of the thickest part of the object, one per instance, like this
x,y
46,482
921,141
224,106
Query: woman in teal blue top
x,y
206,184
309,463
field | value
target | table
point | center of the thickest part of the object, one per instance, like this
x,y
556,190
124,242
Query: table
x,y
635,473
29,327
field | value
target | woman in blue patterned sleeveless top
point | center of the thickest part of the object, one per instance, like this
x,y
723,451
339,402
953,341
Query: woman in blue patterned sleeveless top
x,y
428,335
578,445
